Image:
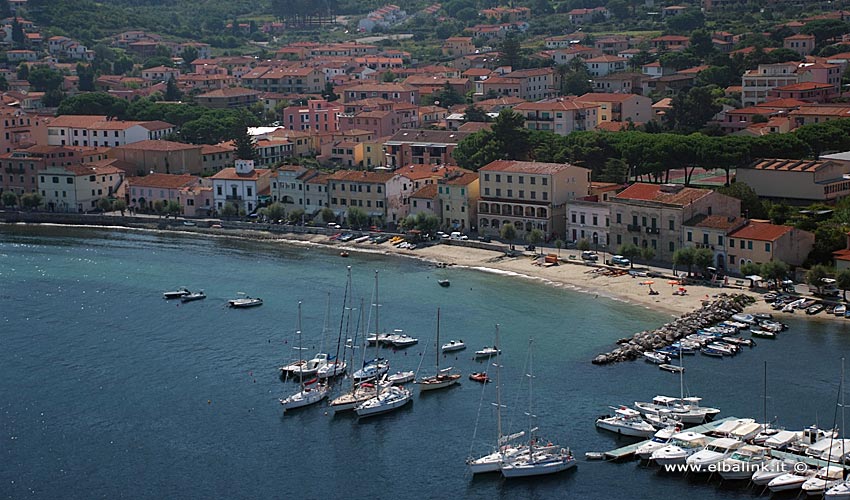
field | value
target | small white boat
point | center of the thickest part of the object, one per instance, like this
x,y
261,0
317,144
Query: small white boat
x,y
404,341
538,464
382,338
487,352
839,310
824,479
332,368
443,378
453,345
744,318
659,440
656,357
387,400
306,396
176,294
715,452
626,422
200,295
359,394
841,490
743,463
791,480
372,369
687,410
245,302
782,440
680,448
772,469
671,368
401,377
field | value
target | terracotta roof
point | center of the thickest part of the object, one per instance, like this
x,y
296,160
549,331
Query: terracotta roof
x,y
163,181
230,92
207,149
317,179
361,176
805,86
822,110
604,97
560,104
615,126
841,255
156,125
230,174
526,167
715,222
428,136
429,191
761,231
424,171
653,192
153,145
463,180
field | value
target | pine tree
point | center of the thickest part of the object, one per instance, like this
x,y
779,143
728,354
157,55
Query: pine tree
x,y
18,37
172,93
245,146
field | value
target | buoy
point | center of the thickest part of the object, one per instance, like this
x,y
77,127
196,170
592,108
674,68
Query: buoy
x,y
209,401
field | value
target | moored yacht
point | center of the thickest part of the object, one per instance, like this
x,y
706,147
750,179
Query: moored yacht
x,y
744,462
772,469
659,440
715,452
824,479
306,396
791,480
680,448
387,400
626,422
374,368
687,410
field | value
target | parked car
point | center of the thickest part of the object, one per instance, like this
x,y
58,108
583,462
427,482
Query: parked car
x,y
619,260
484,239
586,255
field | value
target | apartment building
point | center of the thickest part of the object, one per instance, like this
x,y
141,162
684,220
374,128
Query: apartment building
x,y
562,116
79,187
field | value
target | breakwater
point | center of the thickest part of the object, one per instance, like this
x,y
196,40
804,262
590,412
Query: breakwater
x,y
711,312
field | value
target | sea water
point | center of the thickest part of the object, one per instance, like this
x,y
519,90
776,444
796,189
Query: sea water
x,y
109,391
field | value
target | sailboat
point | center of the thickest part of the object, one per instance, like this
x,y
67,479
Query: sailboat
x,y
297,366
377,367
335,366
360,391
310,393
503,451
443,378
388,398
537,461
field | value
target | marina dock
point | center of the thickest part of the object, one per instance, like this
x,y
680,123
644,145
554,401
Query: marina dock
x,y
627,452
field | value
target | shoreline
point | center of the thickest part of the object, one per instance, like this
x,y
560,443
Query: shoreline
x,y
570,274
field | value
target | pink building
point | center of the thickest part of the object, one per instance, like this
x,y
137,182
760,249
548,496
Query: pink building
x,y
143,192
382,123
318,115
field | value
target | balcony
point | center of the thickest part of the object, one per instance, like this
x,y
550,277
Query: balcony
x,y
653,230
633,228
233,198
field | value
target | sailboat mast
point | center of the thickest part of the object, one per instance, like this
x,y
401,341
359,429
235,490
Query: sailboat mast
x,y
303,362
530,398
681,375
498,395
437,350
765,393
327,322
377,317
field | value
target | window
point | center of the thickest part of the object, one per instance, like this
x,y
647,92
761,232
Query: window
x,y
545,181
521,179
56,180
742,244
250,192
218,190
498,192
521,193
731,243
643,221
634,220
595,220
581,218
671,247
574,218
749,244
654,244
619,239
767,247
486,191
545,195
533,195
690,236
720,240
486,177
533,180
498,178
705,238
619,218
510,193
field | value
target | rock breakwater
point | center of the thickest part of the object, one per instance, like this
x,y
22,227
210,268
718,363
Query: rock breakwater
x,y
711,312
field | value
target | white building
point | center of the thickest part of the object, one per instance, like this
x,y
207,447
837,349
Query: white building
x,y
241,185
78,188
98,131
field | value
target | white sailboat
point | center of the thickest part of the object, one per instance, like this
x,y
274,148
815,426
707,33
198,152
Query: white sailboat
x,y
309,393
336,366
537,461
360,391
442,378
296,366
387,398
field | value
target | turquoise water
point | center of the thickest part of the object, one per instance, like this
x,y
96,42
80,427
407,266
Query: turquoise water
x,y
107,390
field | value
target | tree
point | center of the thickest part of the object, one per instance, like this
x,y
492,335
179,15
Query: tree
x,y
703,259
535,237
828,239
583,245
629,251
842,281
228,210
684,258
245,149
447,96
559,244
18,37
692,109
172,93
173,207
328,215
510,51
473,113
508,233
686,22
119,205
647,254
189,54
23,71
5,9
44,79
779,213
816,275
31,200
751,204
94,103
619,9
9,199
701,44
275,211
825,29
104,204
357,217
86,78
775,270
295,215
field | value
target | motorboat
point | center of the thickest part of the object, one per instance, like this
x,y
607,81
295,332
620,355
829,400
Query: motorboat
x,y
663,419
379,338
176,294
479,377
655,357
726,428
772,326
746,431
390,338
824,479
735,324
763,334
401,377
715,452
772,469
738,341
708,351
788,308
744,318
687,410
840,310
763,316
681,446
200,295
387,400
404,341
672,368
626,422
839,491
838,452
809,437
537,464
815,309
792,480
659,440
806,303
444,283
725,349
781,440
245,302
743,462
372,369
306,396
487,352
453,345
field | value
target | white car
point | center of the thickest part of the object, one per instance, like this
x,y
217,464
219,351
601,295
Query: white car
x,y
619,260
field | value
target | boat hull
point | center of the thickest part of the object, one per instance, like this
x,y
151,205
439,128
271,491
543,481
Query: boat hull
x,y
624,430
433,384
537,469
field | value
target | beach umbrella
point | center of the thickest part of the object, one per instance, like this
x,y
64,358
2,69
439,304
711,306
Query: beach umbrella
x,y
674,282
648,282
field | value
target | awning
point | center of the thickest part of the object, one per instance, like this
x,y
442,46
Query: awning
x,y
754,277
